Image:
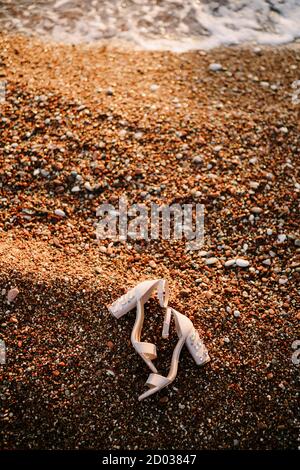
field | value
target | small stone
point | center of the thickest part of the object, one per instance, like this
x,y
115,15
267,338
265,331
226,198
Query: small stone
x,y
110,372
110,344
297,242
267,262
152,264
226,340
103,249
109,91
75,189
202,254
164,399
284,130
197,160
236,313
59,213
215,67
210,261
154,87
242,263
256,210
45,173
281,238
254,184
229,263
88,187
269,231
282,281
138,135
12,294
181,407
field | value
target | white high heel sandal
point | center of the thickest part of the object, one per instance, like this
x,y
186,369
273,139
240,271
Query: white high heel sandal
x,y
187,335
137,297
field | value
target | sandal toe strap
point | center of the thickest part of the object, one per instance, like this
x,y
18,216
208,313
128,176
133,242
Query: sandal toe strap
x,y
147,349
157,380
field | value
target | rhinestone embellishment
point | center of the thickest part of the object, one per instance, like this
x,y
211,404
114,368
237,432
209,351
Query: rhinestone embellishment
x,y
198,344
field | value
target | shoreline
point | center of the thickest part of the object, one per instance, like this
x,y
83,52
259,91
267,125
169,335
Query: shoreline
x,y
95,112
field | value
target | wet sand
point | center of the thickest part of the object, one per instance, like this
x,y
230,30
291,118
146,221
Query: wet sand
x,y
90,118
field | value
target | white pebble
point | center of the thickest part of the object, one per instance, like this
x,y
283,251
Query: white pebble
x,y
229,263
269,231
215,67
154,87
59,213
284,130
197,160
236,313
88,187
281,238
283,281
242,263
267,262
75,189
210,261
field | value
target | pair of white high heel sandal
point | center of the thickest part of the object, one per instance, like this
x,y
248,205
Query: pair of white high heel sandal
x,y
187,334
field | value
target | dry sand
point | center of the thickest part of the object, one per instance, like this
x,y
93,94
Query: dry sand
x,y
72,378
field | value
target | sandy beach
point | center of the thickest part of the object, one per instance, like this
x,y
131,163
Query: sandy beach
x,y
82,125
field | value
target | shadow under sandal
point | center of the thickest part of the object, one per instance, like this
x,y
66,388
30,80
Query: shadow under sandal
x,y
136,298
187,335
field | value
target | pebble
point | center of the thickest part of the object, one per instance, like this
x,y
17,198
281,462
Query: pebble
x,y
226,340
236,313
210,261
282,281
267,262
281,238
269,231
297,242
256,210
154,87
138,135
197,160
75,189
242,263
254,184
284,130
202,254
152,264
88,187
110,372
109,91
215,67
229,263
60,213
12,294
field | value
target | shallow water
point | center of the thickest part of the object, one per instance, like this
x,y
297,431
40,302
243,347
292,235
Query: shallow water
x,y
156,24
